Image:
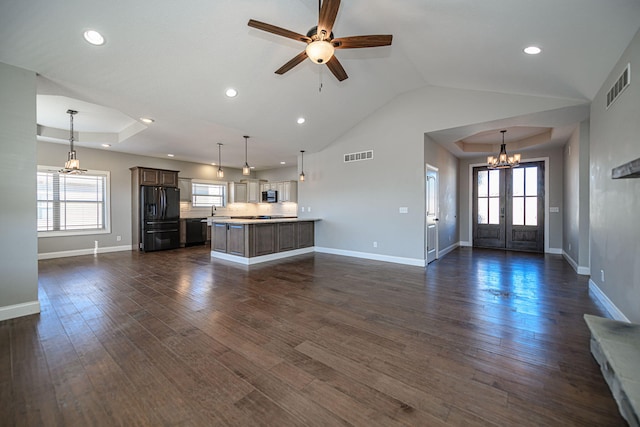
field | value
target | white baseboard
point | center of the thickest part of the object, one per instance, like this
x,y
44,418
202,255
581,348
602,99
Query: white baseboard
x,y
448,249
614,311
465,244
584,271
259,259
19,310
375,257
77,252
556,251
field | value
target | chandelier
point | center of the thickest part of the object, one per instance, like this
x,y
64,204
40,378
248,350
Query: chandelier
x,y
503,161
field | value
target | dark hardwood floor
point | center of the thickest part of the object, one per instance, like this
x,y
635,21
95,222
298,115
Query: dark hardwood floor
x,y
480,337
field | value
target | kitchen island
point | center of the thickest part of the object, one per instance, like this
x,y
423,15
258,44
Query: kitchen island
x,y
253,240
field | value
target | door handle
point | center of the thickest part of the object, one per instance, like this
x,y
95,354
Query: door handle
x,y
436,219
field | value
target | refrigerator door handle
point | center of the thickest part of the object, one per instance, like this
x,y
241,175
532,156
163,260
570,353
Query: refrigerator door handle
x,y
161,231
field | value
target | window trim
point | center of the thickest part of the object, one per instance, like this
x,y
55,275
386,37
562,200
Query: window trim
x,y
107,207
205,181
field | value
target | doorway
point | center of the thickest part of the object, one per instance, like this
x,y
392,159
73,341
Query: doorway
x,y
431,214
508,207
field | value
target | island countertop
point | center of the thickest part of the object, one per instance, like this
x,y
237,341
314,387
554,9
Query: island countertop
x,y
257,220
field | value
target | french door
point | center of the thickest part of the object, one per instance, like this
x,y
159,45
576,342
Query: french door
x,y
508,207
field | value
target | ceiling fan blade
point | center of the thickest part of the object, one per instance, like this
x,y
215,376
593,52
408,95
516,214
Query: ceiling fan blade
x,y
336,68
278,31
295,61
354,42
328,13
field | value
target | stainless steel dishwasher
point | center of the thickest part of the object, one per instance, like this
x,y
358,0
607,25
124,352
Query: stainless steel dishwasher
x,y
196,231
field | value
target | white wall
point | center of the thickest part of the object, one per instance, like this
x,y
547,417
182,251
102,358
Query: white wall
x,y
358,202
18,254
615,204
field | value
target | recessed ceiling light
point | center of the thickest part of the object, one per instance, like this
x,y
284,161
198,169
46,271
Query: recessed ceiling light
x,y
252,167
283,163
147,120
532,50
231,92
301,120
106,145
94,37
170,155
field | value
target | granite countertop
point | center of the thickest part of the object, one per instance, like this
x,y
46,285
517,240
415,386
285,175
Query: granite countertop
x,y
254,220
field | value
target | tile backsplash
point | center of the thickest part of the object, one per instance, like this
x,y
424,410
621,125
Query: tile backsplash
x,y
240,209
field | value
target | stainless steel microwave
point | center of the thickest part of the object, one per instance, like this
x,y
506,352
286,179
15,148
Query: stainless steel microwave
x,y
270,196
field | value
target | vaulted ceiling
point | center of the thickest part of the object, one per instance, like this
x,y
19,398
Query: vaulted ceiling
x,y
173,61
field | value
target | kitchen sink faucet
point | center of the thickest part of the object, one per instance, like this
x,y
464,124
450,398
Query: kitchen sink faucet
x,y
213,210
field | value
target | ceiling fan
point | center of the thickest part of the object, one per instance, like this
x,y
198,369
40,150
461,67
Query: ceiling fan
x,y
320,41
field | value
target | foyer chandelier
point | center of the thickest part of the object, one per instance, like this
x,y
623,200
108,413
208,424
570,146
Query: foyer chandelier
x,y
220,172
503,161
72,165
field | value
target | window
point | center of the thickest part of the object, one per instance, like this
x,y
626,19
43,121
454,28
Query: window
x,y
72,204
207,194
489,197
525,196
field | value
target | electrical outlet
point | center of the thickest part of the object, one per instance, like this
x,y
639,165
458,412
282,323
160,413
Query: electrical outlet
x,y
118,238
569,246
308,208
375,244
302,208
602,275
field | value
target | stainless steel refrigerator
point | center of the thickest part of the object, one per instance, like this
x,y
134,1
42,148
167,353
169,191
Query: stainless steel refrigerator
x,y
160,216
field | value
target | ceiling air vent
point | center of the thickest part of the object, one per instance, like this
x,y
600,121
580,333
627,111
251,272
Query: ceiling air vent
x,y
356,157
620,85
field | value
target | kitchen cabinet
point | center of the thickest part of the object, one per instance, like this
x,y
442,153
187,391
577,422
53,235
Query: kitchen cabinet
x,y
236,235
148,176
287,190
184,184
254,194
237,192
254,239
219,237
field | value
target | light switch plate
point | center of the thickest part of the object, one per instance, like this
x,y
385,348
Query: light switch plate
x,y
404,210
554,209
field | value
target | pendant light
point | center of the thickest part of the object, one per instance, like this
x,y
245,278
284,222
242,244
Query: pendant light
x,y
220,173
72,165
503,161
302,164
246,169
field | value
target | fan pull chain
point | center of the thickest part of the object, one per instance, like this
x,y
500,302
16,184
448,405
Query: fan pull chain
x,y
320,79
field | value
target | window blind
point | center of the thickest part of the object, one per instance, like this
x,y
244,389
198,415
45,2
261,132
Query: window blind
x,y
71,202
205,195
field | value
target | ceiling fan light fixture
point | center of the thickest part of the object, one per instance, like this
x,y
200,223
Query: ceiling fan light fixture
x,y
320,51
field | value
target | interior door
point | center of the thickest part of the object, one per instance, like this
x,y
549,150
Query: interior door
x,y
508,207
432,214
